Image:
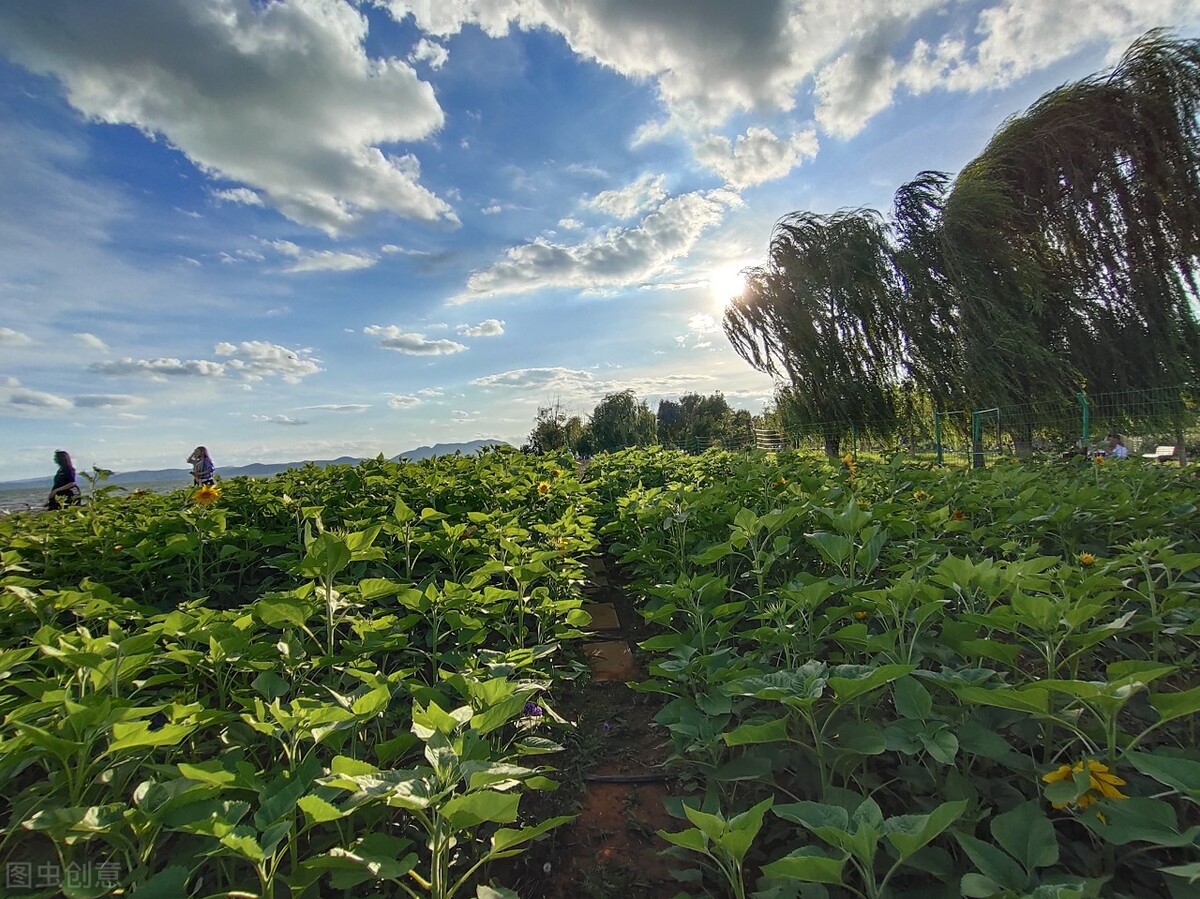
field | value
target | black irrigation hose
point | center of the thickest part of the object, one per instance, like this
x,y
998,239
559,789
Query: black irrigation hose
x,y
625,778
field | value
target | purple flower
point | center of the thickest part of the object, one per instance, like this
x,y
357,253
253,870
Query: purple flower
x,y
533,710
607,727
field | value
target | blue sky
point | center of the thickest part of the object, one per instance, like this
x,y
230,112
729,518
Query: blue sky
x,y
299,229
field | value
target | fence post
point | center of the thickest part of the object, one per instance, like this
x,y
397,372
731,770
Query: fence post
x,y
976,440
1086,420
937,435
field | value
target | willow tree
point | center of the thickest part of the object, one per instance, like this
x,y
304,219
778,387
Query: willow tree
x,y
819,316
1067,249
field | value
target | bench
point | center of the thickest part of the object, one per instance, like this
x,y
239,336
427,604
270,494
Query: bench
x,y
1160,454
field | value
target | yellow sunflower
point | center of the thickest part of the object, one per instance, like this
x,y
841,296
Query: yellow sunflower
x,y
1086,559
543,488
206,495
1102,783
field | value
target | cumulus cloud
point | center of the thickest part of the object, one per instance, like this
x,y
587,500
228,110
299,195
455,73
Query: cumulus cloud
x,y
91,341
626,202
107,401
431,52
321,260
278,420
710,59
557,378
240,195
570,224
283,98
254,360
411,342
250,360
9,337
430,391
619,257
494,209
24,401
756,156
490,327
402,401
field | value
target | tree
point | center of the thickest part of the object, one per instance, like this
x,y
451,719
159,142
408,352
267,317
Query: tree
x,y
697,420
554,430
620,420
820,316
1064,255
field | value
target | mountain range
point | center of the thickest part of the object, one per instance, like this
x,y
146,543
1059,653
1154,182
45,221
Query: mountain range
x,y
262,469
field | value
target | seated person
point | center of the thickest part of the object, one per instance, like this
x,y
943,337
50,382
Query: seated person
x,y
1116,448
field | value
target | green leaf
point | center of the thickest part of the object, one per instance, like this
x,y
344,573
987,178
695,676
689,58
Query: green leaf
x,y
742,830
851,681
748,734
993,863
472,809
1178,773
1027,835
169,883
908,833
505,838
1176,705
318,810
912,699
806,866
138,735
942,745
282,611
693,838
271,685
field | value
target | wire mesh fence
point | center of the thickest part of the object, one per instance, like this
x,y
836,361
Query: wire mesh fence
x,y
1147,421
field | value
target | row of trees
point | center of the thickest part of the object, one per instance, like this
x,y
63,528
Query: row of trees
x,y
621,419
1061,259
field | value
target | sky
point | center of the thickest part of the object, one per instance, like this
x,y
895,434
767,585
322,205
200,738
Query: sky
x,y
303,229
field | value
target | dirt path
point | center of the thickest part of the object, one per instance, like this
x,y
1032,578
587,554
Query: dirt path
x,y
611,850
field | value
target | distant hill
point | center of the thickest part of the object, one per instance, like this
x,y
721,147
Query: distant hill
x,y
183,476
447,449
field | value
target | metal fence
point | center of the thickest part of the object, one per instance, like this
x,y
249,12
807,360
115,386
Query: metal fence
x,y
1146,419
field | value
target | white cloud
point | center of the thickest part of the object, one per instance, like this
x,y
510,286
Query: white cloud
x,y
240,195
339,407
431,52
756,156
558,378
430,391
250,361
490,327
278,420
570,224
620,257
626,202
22,400
107,401
411,342
91,341
494,209
401,401
160,368
9,337
282,98
703,323
711,58
254,360
321,260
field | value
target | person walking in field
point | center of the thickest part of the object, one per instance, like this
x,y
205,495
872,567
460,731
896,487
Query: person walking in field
x,y
64,491
203,471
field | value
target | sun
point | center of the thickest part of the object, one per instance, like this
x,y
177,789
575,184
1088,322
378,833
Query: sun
x,y
726,283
